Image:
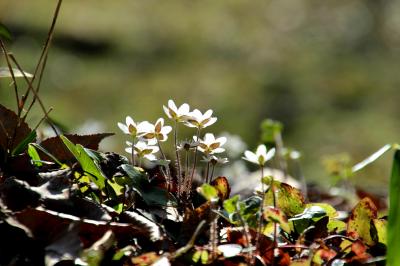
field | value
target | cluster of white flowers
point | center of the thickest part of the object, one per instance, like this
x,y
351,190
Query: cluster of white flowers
x,y
146,136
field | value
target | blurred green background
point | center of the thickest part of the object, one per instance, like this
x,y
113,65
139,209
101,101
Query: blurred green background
x,y
329,70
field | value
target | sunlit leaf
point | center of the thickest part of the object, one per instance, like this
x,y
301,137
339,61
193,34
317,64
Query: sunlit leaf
x,y
88,165
288,199
21,147
327,208
222,186
276,216
359,223
230,205
335,225
379,231
208,192
32,152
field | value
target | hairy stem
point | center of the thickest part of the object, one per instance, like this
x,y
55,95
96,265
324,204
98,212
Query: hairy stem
x,y
168,173
178,160
195,159
261,220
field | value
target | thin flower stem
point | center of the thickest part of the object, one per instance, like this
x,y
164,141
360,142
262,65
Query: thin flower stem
x,y
212,172
168,173
206,173
261,220
133,151
140,162
195,158
3,48
178,160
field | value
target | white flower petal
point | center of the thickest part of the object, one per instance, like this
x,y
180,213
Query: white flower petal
x,y
129,121
166,130
166,111
196,115
184,109
209,138
218,150
128,150
221,140
207,114
210,122
145,127
261,150
251,157
269,154
123,128
171,104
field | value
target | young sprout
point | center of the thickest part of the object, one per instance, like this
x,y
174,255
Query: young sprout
x,y
142,150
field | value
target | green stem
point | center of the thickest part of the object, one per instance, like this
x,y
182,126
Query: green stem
x,y
195,158
261,220
206,173
168,173
178,160
133,151
212,172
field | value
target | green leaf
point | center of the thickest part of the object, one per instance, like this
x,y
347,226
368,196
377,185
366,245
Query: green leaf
x,y
39,147
151,195
276,216
288,199
393,230
230,205
21,147
208,192
378,231
88,165
309,216
336,225
359,223
32,152
329,209
4,32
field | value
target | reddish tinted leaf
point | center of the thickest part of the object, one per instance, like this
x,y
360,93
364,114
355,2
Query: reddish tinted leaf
x,y
222,185
359,223
56,147
323,255
45,226
12,130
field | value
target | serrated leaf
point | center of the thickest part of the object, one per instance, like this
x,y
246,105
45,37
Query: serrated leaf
x,y
56,147
359,223
12,130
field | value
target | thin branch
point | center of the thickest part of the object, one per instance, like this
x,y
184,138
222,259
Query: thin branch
x,y
3,48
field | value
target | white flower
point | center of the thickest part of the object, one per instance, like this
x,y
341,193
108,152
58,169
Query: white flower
x,y
177,114
261,156
199,120
142,150
130,127
157,131
210,145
